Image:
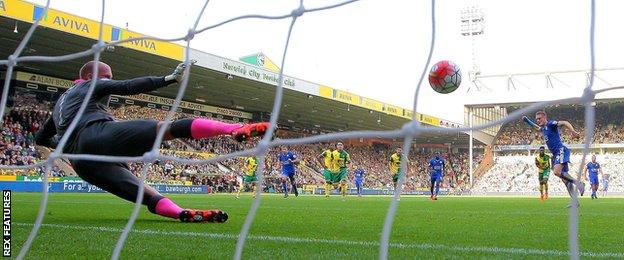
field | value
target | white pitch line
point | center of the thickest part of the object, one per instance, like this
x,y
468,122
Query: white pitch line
x,y
478,249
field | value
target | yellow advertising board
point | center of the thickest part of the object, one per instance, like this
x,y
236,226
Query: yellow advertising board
x,y
326,92
393,110
160,48
17,9
346,97
45,80
371,104
431,120
65,22
7,177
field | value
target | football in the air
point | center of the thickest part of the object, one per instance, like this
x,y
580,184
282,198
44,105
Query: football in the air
x,y
445,77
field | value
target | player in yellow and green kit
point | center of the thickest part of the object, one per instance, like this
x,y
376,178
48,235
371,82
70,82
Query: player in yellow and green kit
x,y
328,168
395,166
542,161
341,159
249,178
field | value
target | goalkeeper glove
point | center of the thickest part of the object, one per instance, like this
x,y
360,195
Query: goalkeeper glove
x,y
178,72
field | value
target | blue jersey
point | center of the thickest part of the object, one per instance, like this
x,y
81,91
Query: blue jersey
x,y
285,160
437,165
551,136
593,168
359,175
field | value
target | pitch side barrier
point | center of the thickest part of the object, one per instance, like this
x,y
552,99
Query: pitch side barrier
x,y
378,191
85,187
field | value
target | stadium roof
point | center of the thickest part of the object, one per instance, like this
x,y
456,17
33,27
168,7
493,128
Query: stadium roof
x,y
214,81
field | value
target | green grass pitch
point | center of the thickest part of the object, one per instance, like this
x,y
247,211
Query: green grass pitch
x,y
87,226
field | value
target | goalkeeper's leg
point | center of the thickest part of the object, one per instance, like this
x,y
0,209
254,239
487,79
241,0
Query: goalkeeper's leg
x,y
117,179
199,128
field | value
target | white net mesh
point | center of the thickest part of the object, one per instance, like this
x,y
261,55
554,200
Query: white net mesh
x,y
408,132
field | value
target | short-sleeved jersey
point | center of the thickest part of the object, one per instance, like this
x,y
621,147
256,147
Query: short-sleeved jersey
x,y
543,161
251,165
340,159
551,136
327,157
593,168
359,174
436,165
285,160
395,163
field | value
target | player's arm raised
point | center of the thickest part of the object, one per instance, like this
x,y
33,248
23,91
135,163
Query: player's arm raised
x,y
569,126
530,123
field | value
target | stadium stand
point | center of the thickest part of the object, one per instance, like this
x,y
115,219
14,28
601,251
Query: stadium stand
x,y
29,111
608,129
518,174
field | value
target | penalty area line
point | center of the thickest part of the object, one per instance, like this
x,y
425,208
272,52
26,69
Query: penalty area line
x,y
476,249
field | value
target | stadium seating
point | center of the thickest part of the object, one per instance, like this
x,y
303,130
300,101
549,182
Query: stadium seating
x,y
518,174
23,120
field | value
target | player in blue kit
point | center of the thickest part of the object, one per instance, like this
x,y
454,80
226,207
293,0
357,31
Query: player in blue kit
x,y
288,160
561,153
436,165
359,179
593,168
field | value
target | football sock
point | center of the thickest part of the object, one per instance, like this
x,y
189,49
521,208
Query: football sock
x,y
166,207
343,189
294,187
203,128
200,128
432,186
285,187
328,188
437,189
